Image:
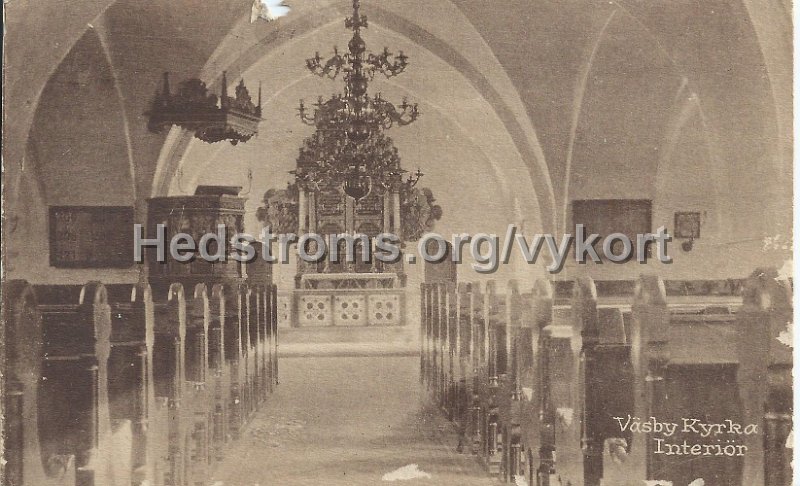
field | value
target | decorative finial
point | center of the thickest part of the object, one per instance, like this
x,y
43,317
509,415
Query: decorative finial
x,y
212,117
166,84
259,98
224,94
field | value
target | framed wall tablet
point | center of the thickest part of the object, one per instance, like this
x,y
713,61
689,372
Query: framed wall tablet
x,y
91,236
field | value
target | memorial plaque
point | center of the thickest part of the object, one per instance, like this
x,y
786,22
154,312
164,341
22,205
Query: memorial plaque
x,y
91,236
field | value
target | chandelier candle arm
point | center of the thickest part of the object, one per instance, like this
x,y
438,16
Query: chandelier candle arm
x,y
348,148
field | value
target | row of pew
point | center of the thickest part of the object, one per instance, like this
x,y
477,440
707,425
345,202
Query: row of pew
x,y
544,385
111,385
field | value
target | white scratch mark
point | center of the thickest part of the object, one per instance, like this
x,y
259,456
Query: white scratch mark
x,y
405,473
657,482
565,415
786,337
698,482
268,10
520,481
617,449
528,392
785,273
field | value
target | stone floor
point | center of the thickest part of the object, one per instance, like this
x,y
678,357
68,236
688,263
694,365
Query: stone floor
x,y
349,421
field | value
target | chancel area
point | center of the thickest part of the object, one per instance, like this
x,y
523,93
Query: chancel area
x,y
136,126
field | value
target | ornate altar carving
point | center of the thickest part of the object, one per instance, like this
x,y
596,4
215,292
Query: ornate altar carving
x,y
330,203
279,211
348,179
371,204
419,213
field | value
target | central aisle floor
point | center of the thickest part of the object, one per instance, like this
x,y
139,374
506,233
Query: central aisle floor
x,y
348,421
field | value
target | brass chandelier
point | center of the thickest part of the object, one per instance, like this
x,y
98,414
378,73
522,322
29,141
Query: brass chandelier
x,y
349,148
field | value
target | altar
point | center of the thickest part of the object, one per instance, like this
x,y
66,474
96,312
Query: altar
x,y
348,180
350,300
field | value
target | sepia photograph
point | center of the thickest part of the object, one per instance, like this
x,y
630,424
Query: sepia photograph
x,y
401,242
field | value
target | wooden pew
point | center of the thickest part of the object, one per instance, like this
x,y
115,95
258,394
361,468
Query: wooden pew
x,y
259,276
74,414
131,389
257,329
569,370
249,338
486,378
235,316
764,377
479,368
263,343
561,343
423,332
458,369
445,361
509,323
705,352
27,462
538,462
438,342
273,316
435,366
452,354
450,349
250,344
271,307
198,401
643,349
273,335
684,359
428,319
497,369
169,378
607,378
593,370
465,366
219,377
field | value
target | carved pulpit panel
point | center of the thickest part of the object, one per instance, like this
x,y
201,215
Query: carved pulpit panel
x,y
197,216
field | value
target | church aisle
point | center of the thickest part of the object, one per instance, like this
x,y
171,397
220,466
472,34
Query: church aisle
x,y
348,421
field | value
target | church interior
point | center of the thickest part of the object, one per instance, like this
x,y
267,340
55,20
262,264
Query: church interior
x,y
405,117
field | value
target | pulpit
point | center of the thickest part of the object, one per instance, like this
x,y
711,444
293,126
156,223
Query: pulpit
x,y
196,215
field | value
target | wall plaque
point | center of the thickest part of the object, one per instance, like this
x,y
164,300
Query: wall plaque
x,y
687,225
91,236
630,217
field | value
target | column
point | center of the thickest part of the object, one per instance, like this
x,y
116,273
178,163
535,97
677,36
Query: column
x,y
302,210
397,226
311,200
387,208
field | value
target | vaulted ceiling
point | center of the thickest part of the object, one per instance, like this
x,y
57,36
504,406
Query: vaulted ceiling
x,y
526,104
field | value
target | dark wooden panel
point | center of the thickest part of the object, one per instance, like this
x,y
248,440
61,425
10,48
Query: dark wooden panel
x,y
606,216
91,236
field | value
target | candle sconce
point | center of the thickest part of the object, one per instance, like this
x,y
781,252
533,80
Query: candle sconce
x,y
687,227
